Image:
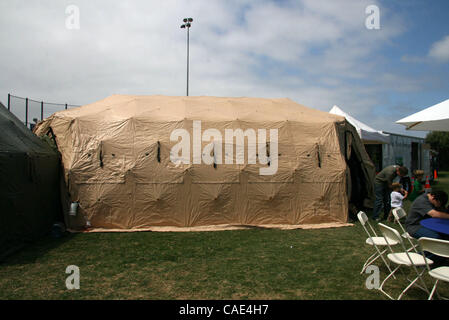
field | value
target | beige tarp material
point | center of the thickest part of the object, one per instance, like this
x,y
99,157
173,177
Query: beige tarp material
x,y
117,164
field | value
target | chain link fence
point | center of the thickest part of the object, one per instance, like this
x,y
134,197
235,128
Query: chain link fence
x,y
30,111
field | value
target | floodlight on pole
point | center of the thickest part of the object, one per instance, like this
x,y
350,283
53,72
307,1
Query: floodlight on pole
x,y
187,24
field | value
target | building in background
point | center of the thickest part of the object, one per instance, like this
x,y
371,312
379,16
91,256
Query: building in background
x,y
409,151
387,148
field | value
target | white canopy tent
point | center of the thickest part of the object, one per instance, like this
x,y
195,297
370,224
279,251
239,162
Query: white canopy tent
x,y
435,118
366,133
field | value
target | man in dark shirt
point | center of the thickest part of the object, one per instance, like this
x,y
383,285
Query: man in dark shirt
x,y
428,205
382,189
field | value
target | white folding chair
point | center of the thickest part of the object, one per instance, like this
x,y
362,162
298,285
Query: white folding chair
x,y
404,258
373,240
439,248
398,214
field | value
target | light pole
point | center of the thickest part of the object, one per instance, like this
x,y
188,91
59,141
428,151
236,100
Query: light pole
x,y
187,24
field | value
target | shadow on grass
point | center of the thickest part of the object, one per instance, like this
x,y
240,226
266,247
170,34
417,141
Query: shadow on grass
x,y
28,253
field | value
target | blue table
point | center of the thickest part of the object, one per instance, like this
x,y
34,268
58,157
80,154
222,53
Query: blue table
x,y
436,224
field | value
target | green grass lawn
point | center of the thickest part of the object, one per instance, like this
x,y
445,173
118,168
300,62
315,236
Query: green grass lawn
x,y
241,264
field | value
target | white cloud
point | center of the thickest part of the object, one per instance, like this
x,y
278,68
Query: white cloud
x,y
440,50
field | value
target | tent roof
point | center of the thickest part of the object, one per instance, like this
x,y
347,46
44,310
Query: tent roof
x,y
170,108
434,118
366,133
16,137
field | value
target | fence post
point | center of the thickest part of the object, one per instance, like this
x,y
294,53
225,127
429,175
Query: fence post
x,y
26,112
9,102
42,110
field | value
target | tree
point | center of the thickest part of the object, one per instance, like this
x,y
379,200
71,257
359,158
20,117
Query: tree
x,y
439,141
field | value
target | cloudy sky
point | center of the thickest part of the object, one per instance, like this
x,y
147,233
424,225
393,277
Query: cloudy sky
x,y
317,53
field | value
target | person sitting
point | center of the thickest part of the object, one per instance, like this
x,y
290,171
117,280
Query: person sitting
x,y
397,195
417,185
428,205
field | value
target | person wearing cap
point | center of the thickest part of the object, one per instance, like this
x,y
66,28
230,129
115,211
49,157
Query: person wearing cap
x,y
383,187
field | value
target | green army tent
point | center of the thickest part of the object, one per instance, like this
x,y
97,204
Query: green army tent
x,y
29,184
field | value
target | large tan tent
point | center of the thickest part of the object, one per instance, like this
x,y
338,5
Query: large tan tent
x,y
139,162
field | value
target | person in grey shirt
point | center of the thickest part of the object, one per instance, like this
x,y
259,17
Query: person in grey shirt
x,y
429,205
383,188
